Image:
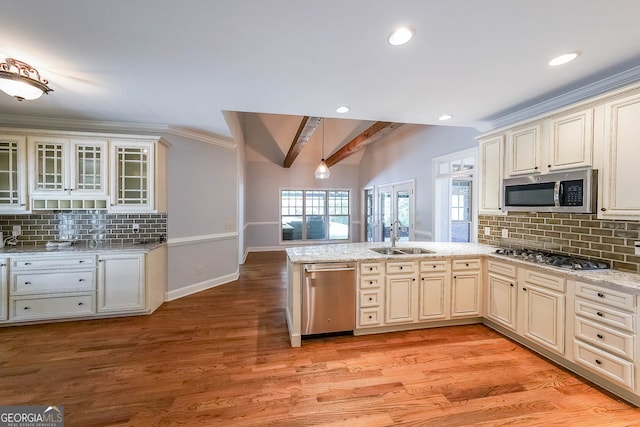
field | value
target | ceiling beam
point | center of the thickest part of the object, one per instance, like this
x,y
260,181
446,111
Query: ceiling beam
x,y
307,126
375,132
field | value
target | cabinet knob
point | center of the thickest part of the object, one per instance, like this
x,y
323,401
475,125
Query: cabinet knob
x,y
370,299
413,279
599,313
455,277
371,282
27,308
511,284
603,209
600,336
400,267
81,261
80,280
370,317
598,362
422,279
467,264
434,266
27,283
370,268
535,168
600,294
524,289
27,263
80,303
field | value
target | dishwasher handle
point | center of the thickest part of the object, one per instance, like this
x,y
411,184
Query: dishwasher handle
x,y
310,268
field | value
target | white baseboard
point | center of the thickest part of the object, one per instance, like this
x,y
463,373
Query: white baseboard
x,y
201,286
265,248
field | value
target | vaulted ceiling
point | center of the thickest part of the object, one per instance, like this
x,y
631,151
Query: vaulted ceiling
x,y
182,63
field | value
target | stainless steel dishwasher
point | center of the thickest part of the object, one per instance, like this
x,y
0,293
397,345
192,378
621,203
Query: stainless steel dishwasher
x,y
328,298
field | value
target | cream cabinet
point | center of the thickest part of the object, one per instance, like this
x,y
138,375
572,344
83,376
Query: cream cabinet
x,y
433,290
121,282
401,292
619,191
4,290
370,298
502,294
491,175
523,150
465,288
570,140
13,174
543,309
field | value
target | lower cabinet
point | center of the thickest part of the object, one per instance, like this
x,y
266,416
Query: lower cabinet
x,y
121,282
370,298
502,294
401,293
4,291
465,288
433,290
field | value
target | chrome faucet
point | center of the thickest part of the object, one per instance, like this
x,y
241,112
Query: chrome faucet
x,y
394,236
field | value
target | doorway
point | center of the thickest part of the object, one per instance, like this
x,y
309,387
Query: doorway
x,y
396,208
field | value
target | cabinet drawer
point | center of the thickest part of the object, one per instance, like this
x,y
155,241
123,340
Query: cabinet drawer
x,y
371,281
609,366
371,268
545,280
465,264
368,317
427,266
502,268
52,306
53,262
38,283
606,338
606,315
401,267
606,296
370,298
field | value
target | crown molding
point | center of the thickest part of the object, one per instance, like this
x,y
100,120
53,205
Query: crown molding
x,y
79,124
208,138
600,87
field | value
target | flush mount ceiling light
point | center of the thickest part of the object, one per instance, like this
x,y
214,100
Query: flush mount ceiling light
x,y
401,36
563,59
322,171
445,117
343,109
21,80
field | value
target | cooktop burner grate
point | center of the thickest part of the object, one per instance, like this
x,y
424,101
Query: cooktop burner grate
x,y
556,260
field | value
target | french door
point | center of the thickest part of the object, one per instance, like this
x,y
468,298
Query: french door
x,y
396,211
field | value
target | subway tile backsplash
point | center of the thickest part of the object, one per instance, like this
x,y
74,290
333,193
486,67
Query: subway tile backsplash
x,y
577,234
84,225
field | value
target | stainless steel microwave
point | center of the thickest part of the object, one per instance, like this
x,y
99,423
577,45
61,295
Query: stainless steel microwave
x,y
574,191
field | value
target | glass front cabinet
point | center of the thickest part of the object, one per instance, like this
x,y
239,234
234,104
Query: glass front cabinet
x,y
132,176
13,189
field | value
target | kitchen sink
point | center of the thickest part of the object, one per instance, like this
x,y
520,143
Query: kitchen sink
x,y
401,251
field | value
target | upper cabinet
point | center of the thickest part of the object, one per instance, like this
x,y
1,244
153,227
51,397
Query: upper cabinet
x,y
523,150
570,140
13,183
132,176
491,174
619,195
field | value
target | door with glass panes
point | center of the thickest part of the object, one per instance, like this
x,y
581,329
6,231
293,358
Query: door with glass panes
x,y
396,211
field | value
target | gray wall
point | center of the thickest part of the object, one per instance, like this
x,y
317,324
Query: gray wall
x,y
407,154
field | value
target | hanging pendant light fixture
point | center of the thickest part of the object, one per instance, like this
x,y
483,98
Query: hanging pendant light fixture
x,y
21,80
322,171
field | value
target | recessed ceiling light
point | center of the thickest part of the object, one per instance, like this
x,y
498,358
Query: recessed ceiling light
x,y
564,58
401,36
343,109
445,117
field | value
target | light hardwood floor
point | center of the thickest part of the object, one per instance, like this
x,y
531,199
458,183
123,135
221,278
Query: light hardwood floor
x,y
222,357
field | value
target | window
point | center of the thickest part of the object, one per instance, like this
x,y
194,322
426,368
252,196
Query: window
x,y
314,214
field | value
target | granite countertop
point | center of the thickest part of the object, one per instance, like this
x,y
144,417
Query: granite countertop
x,y
353,252
79,248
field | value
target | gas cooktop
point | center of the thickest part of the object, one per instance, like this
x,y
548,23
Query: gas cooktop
x,y
553,259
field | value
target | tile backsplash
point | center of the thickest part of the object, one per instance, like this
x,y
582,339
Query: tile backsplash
x,y
577,234
84,225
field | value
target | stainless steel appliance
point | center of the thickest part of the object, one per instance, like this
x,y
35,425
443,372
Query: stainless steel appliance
x,y
328,298
554,259
574,191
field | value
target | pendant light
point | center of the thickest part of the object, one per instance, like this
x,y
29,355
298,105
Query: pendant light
x,y
21,80
322,171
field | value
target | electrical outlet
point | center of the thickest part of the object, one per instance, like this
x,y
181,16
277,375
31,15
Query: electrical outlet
x,y
17,231
637,247
487,231
230,225
135,228
505,233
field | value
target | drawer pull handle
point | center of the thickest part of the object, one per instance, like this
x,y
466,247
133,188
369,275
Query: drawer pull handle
x,y
27,283
598,362
599,313
80,303
81,261
27,263
600,336
27,308
80,280
600,294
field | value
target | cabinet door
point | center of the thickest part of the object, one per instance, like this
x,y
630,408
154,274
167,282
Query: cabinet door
x,y
502,301
432,294
88,167
121,283
4,290
544,317
491,174
13,191
465,294
523,148
49,163
132,176
619,175
571,140
400,299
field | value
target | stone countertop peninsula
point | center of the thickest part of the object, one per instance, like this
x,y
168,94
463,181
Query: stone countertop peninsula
x,y
78,249
353,252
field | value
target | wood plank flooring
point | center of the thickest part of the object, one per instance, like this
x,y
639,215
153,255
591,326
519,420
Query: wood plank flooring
x,y
222,357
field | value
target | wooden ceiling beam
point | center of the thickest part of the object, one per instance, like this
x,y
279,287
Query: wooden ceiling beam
x,y
307,126
375,132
